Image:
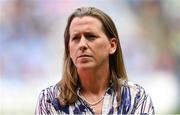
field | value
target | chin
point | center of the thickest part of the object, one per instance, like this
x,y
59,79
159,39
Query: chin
x,y
85,66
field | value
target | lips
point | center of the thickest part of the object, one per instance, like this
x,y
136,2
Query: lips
x,y
83,56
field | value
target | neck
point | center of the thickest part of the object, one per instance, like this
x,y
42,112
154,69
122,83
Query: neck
x,y
94,82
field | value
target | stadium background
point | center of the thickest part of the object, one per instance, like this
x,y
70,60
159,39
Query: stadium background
x,y
31,48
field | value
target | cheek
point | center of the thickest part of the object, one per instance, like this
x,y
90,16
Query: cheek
x,y
71,51
103,47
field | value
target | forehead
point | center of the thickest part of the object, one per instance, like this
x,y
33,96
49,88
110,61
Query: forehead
x,y
85,22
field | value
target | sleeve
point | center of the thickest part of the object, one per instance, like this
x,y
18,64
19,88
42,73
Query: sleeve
x,y
44,106
145,106
143,103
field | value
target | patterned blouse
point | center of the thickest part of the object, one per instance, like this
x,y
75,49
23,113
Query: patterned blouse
x,y
134,101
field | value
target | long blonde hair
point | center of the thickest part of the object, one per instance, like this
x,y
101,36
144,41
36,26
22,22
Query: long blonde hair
x,y
70,81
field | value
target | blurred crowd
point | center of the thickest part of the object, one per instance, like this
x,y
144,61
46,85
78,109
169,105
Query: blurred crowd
x,y
31,36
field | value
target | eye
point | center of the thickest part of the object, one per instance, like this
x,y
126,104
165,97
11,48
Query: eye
x,y
90,36
75,37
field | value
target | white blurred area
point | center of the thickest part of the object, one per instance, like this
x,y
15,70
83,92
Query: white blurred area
x,y
31,48
162,87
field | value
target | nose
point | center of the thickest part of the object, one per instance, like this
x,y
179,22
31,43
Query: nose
x,y
83,43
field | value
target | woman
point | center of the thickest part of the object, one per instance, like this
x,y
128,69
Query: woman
x,y
94,79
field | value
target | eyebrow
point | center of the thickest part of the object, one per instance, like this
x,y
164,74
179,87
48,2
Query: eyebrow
x,y
79,33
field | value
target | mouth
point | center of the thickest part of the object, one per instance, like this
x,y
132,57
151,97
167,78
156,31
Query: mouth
x,y
84,56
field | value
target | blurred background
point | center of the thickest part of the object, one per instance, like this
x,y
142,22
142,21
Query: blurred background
x,y
31,48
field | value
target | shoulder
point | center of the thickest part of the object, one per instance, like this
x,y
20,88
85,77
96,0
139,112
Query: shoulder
x,y
44,102
50,92
133,88
134,92
136,96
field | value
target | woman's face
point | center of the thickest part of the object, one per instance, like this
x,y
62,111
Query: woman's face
x,y
89,47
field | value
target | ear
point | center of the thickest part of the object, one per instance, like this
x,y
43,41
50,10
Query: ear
x,y
113,45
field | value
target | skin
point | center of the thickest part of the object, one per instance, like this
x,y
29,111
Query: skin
x,y
89,49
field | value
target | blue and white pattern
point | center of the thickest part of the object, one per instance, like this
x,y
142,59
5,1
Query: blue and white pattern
x,y
134,101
